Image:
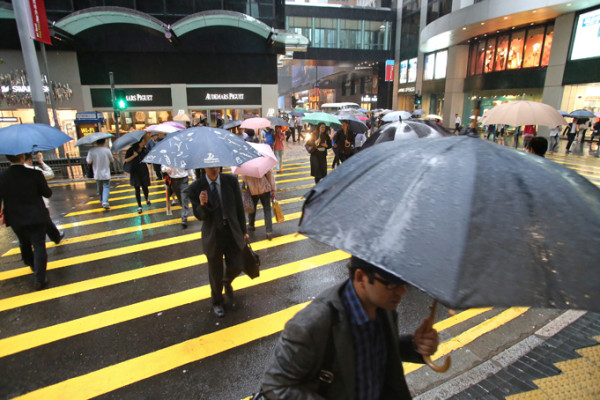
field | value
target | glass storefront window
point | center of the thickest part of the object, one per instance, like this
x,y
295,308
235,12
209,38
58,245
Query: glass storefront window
x,y
488,65
502,50
533,47
441,62
547,46
515,53
429,66
325,33
480,57
349,34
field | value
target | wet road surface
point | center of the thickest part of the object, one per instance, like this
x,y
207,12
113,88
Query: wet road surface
x,y
127,314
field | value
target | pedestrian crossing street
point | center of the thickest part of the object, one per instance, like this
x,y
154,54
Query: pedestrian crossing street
x,y
127,314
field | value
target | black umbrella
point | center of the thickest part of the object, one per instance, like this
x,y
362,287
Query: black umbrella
x,y
409,129
127,140
355,124
201,147
232,124
469,222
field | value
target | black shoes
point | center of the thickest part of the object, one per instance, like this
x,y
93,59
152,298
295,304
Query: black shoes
x,y
40,285
269,235
184,224
148,202
219,310
61,236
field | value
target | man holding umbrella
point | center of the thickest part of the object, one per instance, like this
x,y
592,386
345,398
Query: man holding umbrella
x,y
345,344
217,201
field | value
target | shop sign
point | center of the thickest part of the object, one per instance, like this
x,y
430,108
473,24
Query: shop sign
x,y
39,22
410,89
20,89
90,115
9,119
389,70
136,97
224,96
367,98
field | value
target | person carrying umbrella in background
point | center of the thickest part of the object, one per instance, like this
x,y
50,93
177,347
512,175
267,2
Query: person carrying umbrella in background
x,y
344,138
349,334
99,158
571,131
319,142
178,186
51,230
299,128
138,171
21,194
263,189
278,147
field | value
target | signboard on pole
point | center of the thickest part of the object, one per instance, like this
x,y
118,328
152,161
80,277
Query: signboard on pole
x,y
39,22
389,70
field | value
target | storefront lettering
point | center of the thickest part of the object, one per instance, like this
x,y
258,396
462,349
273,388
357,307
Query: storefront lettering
x,y
367,98
139,97
21,89
224,96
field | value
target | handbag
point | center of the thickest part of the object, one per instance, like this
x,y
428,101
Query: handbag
x,y
247,200
90,172
251,265
127,167
277,211
311,148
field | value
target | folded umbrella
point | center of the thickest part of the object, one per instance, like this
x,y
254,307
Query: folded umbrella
x,y
258,167
29,138
435,204
201,147
93,137
127,140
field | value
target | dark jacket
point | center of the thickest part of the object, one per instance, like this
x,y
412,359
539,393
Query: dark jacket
x,y
318,158
139,175
21,192
302,346
341,138
211,214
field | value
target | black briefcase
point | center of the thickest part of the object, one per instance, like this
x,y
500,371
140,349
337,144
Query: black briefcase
x,y
251,262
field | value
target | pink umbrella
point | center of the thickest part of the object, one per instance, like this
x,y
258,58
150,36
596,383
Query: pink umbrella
x,y
175,124
257,167
363,118
255,123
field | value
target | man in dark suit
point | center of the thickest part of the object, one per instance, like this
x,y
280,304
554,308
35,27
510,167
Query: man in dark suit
x,y
21,192
217,201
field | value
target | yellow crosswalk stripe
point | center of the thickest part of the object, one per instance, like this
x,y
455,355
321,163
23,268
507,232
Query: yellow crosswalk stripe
x,y
126,276
42,336
114,218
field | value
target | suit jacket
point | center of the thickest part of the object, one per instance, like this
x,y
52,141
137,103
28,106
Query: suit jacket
x,y
211,215
21,192
301,349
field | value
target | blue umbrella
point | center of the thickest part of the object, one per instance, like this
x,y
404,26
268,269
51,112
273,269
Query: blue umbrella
x,y
582,114
93,137
127,140
201,147
564,113
28,138
296,113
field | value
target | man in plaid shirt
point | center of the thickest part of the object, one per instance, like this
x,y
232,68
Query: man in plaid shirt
x,y
345,344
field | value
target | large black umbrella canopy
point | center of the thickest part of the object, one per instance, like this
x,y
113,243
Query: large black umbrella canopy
x,y
409,129
469,222
355,124
201,147
127,140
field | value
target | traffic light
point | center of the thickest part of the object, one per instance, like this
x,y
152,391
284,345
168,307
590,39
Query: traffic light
x,y
418,99
120,100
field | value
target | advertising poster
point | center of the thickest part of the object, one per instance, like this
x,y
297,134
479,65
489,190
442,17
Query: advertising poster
x,y
403,71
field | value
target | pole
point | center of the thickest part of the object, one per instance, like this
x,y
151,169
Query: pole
x,y
112,99
50,94
31,64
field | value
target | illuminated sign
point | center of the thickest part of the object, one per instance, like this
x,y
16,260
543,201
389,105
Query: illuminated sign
x,y
139,97
389,70
410,89
587,36
403,71
20,89
224,96
212,96
412,70
9,119
135,97
367,98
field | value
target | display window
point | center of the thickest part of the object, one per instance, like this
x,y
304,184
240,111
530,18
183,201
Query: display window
x,y
533,47
488,65
501,53
480,57
441,63
547,46
472,59
515,53
429,66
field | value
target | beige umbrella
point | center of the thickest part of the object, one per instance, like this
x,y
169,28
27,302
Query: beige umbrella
x,y
523,112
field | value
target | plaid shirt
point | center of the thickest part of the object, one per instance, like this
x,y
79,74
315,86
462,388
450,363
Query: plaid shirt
x,y
370,355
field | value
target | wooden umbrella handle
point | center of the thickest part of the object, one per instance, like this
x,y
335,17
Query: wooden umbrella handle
x,y
427,359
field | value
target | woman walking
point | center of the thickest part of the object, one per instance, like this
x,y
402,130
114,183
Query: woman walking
x,y
138,175
262,189
278,147
320,141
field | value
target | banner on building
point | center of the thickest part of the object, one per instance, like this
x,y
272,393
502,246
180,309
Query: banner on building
x,y
389,70
39,21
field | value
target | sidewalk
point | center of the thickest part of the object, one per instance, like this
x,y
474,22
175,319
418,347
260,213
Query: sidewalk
x,y
559,361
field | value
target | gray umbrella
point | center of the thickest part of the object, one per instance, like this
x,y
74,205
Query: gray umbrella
x,y
127,140
201,147
355,124
467,221
232,124
276,121
93,138
409,129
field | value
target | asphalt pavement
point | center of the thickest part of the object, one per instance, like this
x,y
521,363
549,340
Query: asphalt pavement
x,y
127,314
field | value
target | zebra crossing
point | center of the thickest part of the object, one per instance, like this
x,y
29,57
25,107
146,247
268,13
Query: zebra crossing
x,y
127,313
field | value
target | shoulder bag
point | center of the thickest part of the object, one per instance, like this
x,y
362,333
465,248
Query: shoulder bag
x,y
251,265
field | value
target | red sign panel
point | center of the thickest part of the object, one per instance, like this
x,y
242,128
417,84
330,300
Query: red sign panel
x,y
40,21
389,70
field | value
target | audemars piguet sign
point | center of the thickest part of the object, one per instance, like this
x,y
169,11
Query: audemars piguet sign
x,y
136,97
224,96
